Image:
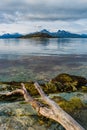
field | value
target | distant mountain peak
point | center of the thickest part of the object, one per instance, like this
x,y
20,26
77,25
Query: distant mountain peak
x,y
62,31
44,31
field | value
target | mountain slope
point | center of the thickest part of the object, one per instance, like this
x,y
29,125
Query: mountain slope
x,y
41,34
59,34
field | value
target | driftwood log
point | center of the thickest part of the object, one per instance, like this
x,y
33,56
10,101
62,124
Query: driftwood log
x,y
53,111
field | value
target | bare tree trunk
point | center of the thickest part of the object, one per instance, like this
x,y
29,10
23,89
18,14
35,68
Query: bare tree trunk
x,y
53,112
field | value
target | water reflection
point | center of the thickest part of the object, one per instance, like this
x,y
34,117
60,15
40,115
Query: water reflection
x,y
64,40
40,46
41,41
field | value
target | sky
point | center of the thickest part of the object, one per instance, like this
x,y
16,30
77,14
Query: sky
x,y
26,16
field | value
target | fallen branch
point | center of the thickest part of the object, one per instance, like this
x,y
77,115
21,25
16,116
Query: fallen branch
x,y
53,111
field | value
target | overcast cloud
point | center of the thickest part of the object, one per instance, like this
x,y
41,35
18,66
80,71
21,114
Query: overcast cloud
x,y
31,15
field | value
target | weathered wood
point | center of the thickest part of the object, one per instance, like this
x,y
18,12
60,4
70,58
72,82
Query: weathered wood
x,y
57,113
53,111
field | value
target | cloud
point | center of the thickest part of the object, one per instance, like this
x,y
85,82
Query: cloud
x,y
42,10
62,14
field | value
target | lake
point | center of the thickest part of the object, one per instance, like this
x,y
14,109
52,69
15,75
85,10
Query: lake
x,y
42,47
38,59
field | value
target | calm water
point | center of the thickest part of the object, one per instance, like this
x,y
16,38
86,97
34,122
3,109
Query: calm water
x,y
43,46
38,59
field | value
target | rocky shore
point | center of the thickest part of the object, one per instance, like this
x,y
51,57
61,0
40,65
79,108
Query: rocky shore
x,y
69,91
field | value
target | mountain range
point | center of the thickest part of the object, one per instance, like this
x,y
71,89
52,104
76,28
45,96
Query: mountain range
x,y
8,35
45,34
59,34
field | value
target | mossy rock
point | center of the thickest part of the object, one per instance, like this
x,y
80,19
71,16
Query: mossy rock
x,y
74,104
84,88
69,82
61,83
31,88
62,78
